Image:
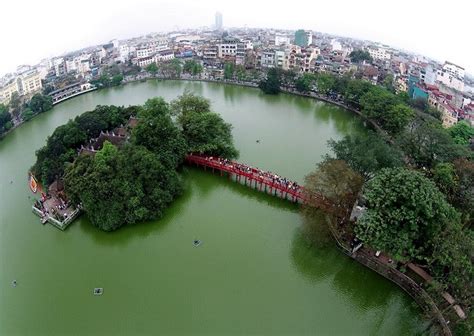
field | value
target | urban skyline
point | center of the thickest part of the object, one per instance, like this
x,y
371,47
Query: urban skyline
x,y
438,41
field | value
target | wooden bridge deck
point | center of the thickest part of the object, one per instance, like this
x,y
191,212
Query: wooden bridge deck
x,y
257,179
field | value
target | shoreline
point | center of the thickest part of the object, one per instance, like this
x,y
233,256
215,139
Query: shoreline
x,y
227,82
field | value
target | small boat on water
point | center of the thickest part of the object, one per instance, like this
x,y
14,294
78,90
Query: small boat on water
x,y
44,220
33,184
98,291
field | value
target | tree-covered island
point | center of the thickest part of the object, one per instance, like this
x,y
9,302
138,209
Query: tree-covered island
x,y
122,163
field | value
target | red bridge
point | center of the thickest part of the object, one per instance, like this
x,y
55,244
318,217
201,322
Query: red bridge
x,y
257,178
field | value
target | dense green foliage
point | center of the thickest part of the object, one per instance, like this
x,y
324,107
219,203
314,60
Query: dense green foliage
x,y
157,133
5,119
120,187
61,147
359,55
366,154
205,132
229,70
137,181
152,68
40,103
427,143
405,215
461,132
337,183
192,67
305,82
271,84
384,107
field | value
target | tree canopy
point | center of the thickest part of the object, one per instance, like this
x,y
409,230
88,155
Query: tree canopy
x,y
135,182
359,55
405,214
366,153
40,103
337,183
271,84
122,187
5,119
461,132
427,143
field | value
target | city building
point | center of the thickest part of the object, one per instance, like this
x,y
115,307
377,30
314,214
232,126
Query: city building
x,y
281,40
228,47
381,54
218,21
28,83
303,38
267,59
452,76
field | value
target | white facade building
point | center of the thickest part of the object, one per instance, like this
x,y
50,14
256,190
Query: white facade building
x,y
380,54
281,40
454,70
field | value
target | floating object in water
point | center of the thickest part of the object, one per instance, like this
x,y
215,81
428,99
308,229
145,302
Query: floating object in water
x,y
197,242
257,141
33,184
98,291
14,283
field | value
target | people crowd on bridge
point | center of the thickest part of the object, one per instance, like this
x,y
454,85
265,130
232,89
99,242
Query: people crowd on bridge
x,y
258,174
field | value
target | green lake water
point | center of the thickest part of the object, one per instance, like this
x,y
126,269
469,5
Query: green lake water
x,y
253,273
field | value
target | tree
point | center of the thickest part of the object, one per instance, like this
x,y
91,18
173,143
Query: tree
x,y
189,103
271,85
207,133
304,83
240,72
27,114
325,82
366,154
461,132
445,178
229,70
5,119
40,103
61,147
452,262
427,143
334,187
397,118
359,55
157,133
121,187
356,88
15,104
385,108
388,83
152,68
117,80
463,197
405,214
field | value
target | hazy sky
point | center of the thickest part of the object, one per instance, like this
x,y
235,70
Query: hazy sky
x,y
31,30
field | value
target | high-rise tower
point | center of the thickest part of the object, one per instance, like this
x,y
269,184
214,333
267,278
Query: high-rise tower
x,y
218,21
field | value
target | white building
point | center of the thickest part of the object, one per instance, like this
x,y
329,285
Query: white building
x,y
454,70
281,40
164,55
280,58
380,54
27,83
227,48
267,59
